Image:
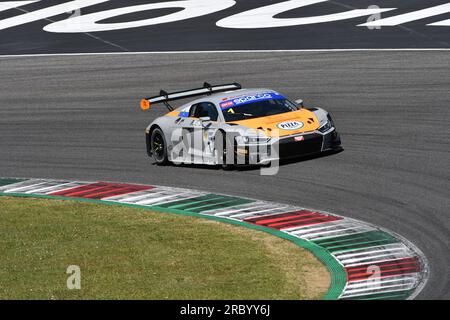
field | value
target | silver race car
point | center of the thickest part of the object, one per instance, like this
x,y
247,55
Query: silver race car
x,y
231,126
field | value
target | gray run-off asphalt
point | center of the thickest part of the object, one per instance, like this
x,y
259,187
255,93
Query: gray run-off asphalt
x,y
79,118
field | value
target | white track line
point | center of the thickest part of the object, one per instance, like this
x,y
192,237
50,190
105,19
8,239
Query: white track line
x,y
381,258
375,288
246,209
51,188
368,252
334,232
223,51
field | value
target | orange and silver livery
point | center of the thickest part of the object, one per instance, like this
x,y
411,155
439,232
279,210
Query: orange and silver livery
x,y
227,122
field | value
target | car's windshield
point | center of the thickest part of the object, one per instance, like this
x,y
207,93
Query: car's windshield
x,y
262,108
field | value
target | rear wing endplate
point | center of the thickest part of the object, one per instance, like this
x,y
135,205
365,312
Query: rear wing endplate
x,y
207,89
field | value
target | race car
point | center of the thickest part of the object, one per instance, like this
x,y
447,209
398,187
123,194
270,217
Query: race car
x,y
230,126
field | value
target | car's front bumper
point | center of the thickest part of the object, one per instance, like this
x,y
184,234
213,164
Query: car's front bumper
x,y
290,147
310,144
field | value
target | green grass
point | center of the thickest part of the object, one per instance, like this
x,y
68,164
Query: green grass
x,y
127,253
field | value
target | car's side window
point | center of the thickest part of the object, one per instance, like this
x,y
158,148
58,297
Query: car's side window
x,y
204,109
192,111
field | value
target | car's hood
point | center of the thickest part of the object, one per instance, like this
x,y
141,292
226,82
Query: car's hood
x,y
285,123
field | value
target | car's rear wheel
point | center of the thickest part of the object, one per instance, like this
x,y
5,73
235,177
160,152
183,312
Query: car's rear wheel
x,y
159,147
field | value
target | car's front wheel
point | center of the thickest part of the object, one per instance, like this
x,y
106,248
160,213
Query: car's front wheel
x,y
159,147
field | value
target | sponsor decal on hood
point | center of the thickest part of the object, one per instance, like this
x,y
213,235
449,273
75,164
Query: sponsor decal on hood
x,y
290,125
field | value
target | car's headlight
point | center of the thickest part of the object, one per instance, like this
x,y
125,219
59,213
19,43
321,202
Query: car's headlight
x,y
251,139
327,125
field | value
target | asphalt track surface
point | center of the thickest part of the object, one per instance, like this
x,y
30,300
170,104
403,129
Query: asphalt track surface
x,y
201,33
77,117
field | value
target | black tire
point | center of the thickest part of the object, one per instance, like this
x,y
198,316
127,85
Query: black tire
x,y
228,167
159,147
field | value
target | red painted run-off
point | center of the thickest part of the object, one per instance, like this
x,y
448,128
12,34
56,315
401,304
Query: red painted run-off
x,y
101,190
388,268
292,219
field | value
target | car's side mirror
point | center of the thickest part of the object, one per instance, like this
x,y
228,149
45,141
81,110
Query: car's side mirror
x,y
205,119
299,102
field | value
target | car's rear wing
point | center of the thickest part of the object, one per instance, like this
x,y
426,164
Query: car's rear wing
x,y
207,89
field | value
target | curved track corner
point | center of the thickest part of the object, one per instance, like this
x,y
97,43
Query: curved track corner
x,y
365,261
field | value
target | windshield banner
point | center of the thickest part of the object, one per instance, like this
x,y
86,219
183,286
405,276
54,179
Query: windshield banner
x,y
239,101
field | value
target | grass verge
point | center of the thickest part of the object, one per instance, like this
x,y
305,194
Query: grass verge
x,y
127,253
